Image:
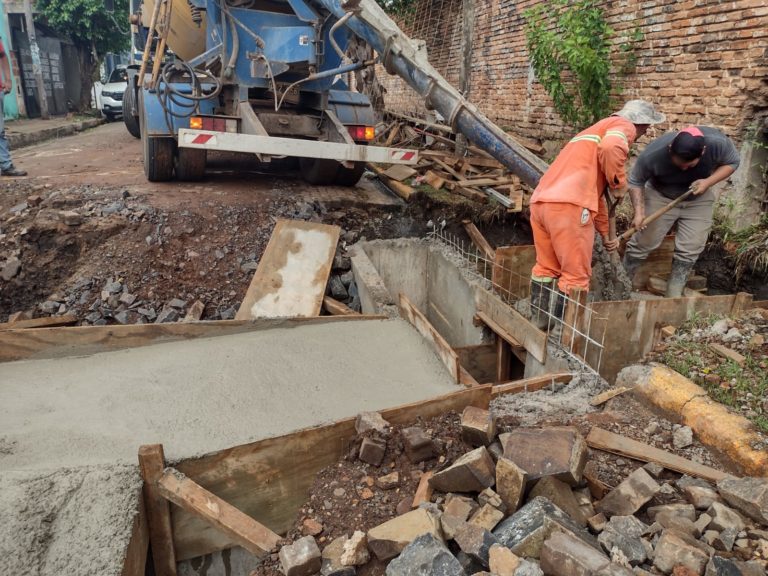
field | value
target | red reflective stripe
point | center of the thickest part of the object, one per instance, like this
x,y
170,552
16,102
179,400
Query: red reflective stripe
x,y
403,155
202,138
408,155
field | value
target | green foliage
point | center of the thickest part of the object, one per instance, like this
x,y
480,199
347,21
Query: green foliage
x,y
88,24
398,8
570,48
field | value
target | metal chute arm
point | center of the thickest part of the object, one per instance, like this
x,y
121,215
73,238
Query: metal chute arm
x,y
400,57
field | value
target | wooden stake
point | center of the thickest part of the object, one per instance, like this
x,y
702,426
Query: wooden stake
x,y
503,357
727,353
479,240
607,395
152,463
148,45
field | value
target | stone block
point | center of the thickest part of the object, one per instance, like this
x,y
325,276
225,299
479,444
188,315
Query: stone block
x,y
502,561
387,540
478,426
389,481
625,534
526,530
555,451
331,559
488,496
510,484
675,549
459,506
487,517
597,522
565,555
748,495
427,555
701,498
371,422
682,510
476,542
451,525
302,558
724,517
473,472
561,495
702,522
372,451
418,446
629,496
355,551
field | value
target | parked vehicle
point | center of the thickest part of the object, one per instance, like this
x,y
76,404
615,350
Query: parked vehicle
x,y
112,93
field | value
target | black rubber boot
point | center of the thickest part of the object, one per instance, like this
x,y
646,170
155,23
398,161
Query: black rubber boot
x,y
630,266
540,297
558,307
677,278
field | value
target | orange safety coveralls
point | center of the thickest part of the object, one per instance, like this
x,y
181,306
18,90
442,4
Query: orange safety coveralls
x,y
568,205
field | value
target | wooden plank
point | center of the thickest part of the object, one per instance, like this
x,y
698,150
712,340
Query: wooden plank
x,y
336,308
402,190
479,360
152,463
502,334
763,304
727,353
400,172
531,384
241,528
483,162
472,194
392,135
79,340
293,272
608,394
485,182
616,444
269,480
434,179
466,379
742,302
479,240
135,563
425,328
503,359
511,323
48,322
512,267
424,490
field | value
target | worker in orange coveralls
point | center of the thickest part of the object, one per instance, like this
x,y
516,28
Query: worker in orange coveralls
x,y
568,205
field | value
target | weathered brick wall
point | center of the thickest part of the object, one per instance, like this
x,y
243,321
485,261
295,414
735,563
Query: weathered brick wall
x,y
700,61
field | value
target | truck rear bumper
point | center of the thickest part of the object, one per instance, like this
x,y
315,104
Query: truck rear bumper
x,y
276,146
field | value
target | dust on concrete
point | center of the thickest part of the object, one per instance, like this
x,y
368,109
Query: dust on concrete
x,y
73,521
609,279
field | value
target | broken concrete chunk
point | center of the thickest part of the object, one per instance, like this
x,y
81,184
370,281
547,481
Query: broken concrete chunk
x,y
387,540
418,446
355,551
556,451
629,496
724,517
459,506
502,561
372,451
331,559
701,498
371,422
389,481
473,472
510,483
561,495
478,426
565,555
625,534
675,549
302,558
488,496
425,556
525,531
682,437
476,542
748,495
487,517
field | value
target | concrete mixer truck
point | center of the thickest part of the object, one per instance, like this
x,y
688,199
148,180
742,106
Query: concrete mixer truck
x,y
267,78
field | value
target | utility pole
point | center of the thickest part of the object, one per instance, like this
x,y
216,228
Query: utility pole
x,y
37,69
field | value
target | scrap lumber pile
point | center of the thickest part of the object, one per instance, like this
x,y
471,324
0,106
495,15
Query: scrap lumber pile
x,y
475,174
523,502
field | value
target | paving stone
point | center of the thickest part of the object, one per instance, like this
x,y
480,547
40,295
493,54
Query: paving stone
x,y
11,268
459,506
478,426
525,531
748,495
677,509
554,451
565,555
625,534
371,422
561,495
701,498
355,551
487,517
302,558
389,481
372,451
510,484
673,549
476,541
451,525
418,446
387,540
488,496
724,517
629,496
425,556
472,472
502,561
725,540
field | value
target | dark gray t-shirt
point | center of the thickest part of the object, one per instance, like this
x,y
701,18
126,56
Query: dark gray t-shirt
x,y
654,166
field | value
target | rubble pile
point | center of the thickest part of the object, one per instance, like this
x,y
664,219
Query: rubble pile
x,y
497,499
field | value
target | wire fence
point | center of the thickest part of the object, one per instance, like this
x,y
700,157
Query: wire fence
x,y
571,324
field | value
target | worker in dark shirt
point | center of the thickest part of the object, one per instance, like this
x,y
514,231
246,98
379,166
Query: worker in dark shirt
x,y
696,158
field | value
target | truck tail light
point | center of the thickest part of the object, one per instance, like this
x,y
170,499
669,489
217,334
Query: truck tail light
x,y
196,123
362,133
213,124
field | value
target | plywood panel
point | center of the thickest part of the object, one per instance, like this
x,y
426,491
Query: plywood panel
x,y
512,270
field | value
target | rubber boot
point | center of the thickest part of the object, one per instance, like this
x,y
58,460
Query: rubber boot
x,y
631,265
677,278
558,307
540,296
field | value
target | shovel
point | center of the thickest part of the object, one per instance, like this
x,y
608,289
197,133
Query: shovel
x,y
660,212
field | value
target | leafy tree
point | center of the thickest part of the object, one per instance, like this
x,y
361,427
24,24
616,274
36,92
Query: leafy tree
x,y
93,30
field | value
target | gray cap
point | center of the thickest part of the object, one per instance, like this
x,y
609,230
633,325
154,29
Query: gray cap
x,y
640,112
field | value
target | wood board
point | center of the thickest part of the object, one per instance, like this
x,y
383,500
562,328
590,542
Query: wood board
x,y
479,360
135,563
269,479
531,384
47,322
293,272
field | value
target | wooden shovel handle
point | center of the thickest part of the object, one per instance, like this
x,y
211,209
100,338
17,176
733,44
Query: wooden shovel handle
x,y
660,212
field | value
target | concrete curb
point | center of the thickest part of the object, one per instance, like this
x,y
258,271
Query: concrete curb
x,y
22,139
714,424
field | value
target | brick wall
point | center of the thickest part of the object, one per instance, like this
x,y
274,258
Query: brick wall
x,y
700,61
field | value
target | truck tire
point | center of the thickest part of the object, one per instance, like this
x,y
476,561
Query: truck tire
x,y
190,164
350,176
158,158
131,121
318,171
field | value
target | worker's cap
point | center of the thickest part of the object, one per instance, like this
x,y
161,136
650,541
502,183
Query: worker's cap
x,y
689,143
640,112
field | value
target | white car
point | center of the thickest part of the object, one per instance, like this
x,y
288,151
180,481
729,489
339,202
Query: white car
x,y
112,93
